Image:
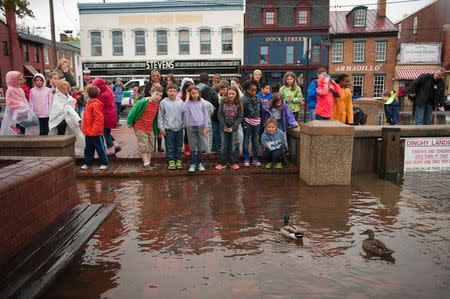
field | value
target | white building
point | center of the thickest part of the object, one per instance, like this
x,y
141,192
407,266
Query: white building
x,y
185,38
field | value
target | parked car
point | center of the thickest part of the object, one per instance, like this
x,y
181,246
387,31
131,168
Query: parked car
x,y
128,90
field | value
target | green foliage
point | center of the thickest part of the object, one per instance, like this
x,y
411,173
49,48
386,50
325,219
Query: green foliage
x,y
21,7
71,38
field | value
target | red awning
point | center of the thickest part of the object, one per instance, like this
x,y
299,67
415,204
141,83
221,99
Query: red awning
x,y
411,74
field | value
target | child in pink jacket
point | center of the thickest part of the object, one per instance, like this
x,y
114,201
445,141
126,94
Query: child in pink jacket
x,y
326,90
41,102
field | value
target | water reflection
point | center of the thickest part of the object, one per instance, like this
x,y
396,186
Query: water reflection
x,y
199,237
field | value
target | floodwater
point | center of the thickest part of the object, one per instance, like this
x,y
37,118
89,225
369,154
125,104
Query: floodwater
x,y
218,237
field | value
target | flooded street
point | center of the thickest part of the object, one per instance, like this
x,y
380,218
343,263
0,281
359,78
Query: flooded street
x,y
218,236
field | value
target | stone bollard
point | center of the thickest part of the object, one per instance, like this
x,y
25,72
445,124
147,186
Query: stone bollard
x,y
326,149
390,154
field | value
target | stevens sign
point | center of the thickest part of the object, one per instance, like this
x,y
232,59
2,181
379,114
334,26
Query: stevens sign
x,y
420,53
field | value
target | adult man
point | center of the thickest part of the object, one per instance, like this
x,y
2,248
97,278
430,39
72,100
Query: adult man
x,y
311,96
210,95
427,92
118,95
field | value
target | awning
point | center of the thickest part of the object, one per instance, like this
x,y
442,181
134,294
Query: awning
x,y
31,69
411,74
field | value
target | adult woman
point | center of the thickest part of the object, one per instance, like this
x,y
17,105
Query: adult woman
x,y
64,73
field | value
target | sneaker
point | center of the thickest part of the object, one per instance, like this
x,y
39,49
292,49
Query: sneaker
x,y
103,167
219,167
246,163
149,166
84,167
178,164
201,167
235,166
278,165
15,131
110,151
192,168
172,165
160,149
269,165
117,147
256,163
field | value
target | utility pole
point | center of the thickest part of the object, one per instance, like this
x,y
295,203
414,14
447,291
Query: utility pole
x,y
52,28
306,75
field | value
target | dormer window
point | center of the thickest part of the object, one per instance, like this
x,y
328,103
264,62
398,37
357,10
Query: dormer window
x,y
269,15
360,18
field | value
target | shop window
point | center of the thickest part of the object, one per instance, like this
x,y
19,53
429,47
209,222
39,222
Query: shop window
x,y
315,54
289,54
415,21
358,86
161,42
26,57
117,43
36,53
96,43
337,52
378,86
358,51
5,49
380,51
227,41
269,17
205,41
139,42
183,41
264,55
360,18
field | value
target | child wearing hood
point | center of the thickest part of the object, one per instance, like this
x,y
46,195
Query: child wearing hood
x,y
41,102
326,91
18,113
274,142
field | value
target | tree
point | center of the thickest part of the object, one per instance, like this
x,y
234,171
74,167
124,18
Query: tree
x,y
19,6
72,38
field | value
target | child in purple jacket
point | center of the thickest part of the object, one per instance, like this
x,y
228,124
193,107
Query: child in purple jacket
x,y
281,112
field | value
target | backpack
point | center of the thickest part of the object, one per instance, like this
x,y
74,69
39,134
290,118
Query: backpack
x,y
359,117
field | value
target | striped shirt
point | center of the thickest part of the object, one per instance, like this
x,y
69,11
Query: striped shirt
x,y
253,121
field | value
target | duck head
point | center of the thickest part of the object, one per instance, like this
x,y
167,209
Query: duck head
x,y
368,232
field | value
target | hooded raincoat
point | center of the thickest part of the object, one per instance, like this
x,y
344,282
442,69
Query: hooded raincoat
x,y
41,98
106,96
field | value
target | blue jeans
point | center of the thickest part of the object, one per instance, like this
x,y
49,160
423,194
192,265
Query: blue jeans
x,y
312,114
174,143
424,114
109,140
229,147
253,133
118,108
216,139
196,144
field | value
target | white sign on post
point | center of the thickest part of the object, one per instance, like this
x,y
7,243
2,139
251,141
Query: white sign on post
x,y
427,154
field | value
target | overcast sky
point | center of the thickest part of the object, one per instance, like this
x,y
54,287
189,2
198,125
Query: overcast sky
x,y
66,11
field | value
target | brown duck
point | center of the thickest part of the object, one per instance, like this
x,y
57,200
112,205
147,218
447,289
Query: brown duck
x,y
374,246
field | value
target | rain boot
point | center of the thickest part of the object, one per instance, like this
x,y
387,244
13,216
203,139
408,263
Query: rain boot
x,y
117,147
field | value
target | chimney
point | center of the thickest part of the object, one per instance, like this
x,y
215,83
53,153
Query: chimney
x,y
63,37
381,8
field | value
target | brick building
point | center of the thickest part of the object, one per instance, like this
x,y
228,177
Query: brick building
x,y
424,42
364,46
279,34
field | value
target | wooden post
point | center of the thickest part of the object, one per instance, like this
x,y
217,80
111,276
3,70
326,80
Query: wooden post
x,y
390,154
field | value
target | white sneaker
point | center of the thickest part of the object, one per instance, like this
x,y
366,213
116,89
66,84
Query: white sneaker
x,y
103,167
201,167
84,167
192,168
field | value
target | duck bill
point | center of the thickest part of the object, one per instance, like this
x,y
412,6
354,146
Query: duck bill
x,y
364,233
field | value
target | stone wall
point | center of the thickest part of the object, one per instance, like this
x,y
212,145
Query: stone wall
x,y
34,192
38,146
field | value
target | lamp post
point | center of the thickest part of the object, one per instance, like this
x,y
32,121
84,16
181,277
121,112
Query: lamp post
x,y
306,75
52,29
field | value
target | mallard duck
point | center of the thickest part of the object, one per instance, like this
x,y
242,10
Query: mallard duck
x,y
374,246
291,231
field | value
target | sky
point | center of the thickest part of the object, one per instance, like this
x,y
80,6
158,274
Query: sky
x,y
67,18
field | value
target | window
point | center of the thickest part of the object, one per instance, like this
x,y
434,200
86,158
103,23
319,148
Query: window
x,y
360,18
25,52
358,51
302,17
263,54
139,42
5,49
378,86
96,43
337,53
36,53
183,41
380,51
289,54
205,41
315,54
46,56
415,25
117,43
269,17
399,30
161,42
358,86
227,41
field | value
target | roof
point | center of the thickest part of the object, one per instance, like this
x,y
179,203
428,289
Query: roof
x,y
411,14
44,41
340,24
159,6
